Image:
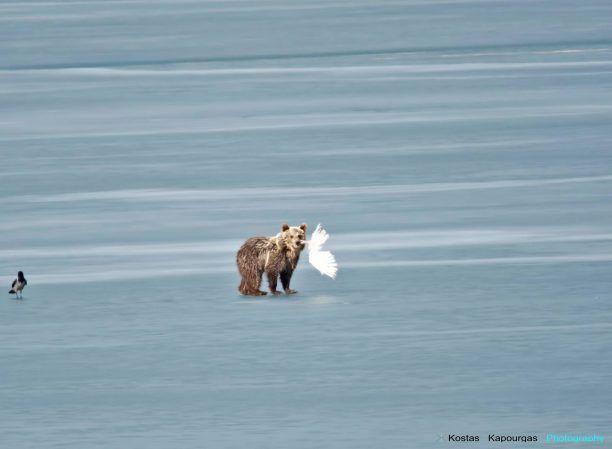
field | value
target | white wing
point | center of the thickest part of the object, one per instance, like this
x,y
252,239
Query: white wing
x,y
324,261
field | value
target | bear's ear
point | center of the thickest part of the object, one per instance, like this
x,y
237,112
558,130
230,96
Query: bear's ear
x,y
303,227
284,227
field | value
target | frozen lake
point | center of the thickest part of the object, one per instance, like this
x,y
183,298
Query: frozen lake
x,y
458,153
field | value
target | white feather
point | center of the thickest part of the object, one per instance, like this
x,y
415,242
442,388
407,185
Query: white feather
x,y
324,261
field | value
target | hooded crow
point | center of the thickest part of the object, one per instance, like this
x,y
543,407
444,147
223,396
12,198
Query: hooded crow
x,y
18,285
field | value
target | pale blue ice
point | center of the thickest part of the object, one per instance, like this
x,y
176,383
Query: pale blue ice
x,y
459,153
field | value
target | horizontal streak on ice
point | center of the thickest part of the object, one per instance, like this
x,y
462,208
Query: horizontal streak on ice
x,y
124,251
330,120
570,258
431,148
349,242
358,69
119,275
506,49
141,195
198,9
156,272
490,330
116,342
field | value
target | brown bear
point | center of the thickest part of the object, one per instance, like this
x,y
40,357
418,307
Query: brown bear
x,y
275,256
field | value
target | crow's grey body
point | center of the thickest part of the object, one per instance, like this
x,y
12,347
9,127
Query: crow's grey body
x,y
18,285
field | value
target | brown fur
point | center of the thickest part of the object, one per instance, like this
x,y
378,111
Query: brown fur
x,y
276,256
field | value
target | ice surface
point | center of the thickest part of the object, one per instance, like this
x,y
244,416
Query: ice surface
x,y
458,152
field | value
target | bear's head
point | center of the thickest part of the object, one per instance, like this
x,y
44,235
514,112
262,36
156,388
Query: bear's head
x,y
293,238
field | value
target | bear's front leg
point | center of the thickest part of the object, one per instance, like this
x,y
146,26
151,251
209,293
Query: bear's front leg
x,y
285,280
272,281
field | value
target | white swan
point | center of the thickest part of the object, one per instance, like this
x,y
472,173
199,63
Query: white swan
x,y
324,261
